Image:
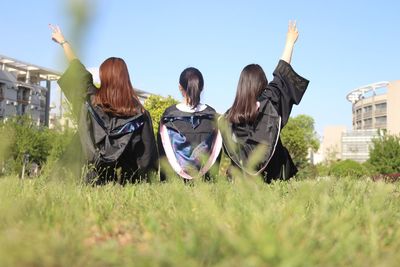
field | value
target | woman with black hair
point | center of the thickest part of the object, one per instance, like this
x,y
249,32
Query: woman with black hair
x,y
188,136
259,112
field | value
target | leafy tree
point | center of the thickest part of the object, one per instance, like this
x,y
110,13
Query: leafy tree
x,y
385,154
156,105
299,137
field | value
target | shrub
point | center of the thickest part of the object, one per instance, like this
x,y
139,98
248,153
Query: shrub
x,y
24,137
385,154
156,106
348,168
308,171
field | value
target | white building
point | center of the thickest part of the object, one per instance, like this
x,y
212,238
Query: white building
x,y
25,89
375,107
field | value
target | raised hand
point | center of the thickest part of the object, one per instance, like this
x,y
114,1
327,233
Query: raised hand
x,y
58,37
291,38
292,34
56,34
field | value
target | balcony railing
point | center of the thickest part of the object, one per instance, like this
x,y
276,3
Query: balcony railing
x,y
367,113
380,125
379,112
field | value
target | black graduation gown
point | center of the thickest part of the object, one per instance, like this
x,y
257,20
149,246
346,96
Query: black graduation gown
x,y
110,143
276,102
191,142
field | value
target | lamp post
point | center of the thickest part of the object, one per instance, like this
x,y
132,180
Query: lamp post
x,y
24,164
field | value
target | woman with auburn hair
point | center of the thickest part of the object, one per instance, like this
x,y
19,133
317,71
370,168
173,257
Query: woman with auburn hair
x,y
115,130
188,137
258,114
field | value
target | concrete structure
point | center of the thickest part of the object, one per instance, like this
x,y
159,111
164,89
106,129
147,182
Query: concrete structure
x,y
340,144
25,89
331,145
374,107
356,144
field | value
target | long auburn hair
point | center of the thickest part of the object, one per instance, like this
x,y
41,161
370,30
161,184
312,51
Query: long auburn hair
x,y
192,82
116,94
252,82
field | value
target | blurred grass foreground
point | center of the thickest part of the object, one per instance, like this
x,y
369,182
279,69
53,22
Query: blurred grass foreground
x,y
325,222
57,221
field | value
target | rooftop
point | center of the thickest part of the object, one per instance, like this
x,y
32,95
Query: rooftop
x,y
21,68
358,93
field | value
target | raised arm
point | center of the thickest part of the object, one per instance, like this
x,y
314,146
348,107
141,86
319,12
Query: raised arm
x,y
58,37
291,39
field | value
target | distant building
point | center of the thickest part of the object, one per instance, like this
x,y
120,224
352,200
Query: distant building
x,y
374,107
331,143
356,144
25,90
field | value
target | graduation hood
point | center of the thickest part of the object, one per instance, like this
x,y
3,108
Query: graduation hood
x,y
111,135
251,145
191,141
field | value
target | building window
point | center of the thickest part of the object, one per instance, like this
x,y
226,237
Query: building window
x,y
380,109
368,111
367,108
380,121
1,91
367,123
380,106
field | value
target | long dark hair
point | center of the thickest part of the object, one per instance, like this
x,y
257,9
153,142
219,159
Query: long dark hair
x,y
192,82
116,94
252,82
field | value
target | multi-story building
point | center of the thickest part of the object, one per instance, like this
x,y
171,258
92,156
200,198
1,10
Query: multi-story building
x,y
374,107
25,89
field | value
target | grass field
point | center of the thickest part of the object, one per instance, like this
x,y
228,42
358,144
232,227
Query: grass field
x,y
325,222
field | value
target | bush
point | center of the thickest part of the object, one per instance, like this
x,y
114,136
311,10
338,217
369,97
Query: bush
x,y
156,106
308,171
24,137
323,169
348,168
385,154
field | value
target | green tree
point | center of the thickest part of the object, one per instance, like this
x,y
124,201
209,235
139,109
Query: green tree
x,y
299,137
156,105
384,155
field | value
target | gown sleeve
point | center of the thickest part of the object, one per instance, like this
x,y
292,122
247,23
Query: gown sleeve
x,y
287,87
148,161
77,85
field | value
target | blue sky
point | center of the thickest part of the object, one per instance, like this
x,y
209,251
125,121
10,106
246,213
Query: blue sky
x,y
342,44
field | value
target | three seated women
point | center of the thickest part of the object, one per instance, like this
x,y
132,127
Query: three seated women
x,y
117,135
